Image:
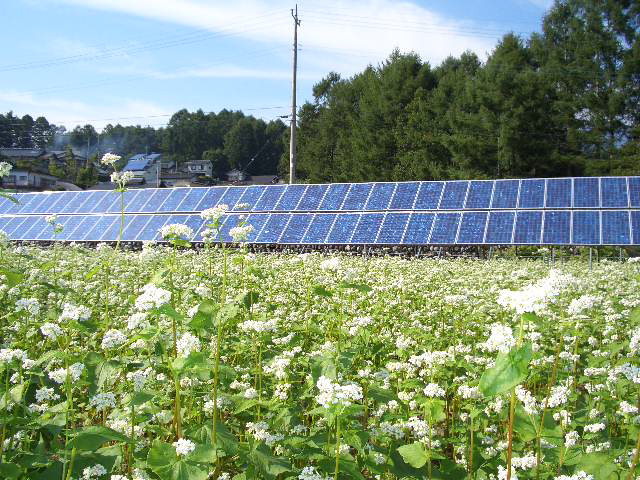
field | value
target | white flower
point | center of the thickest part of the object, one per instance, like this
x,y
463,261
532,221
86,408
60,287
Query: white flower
x,y
571,439
102,401
4,237
559,396
121,178
578,305
331,264
595,427
260,431
334,394
186,344
137,320
30,305
502,473
310,473
258,326
7,355
433,390
176,230
250,393
467,392
51,330
581,475
241,233
73,312
626,408
5,169
51,219
501,339
45,394
93,472
109,159
152,297
112,339
214,213
528,400
184,447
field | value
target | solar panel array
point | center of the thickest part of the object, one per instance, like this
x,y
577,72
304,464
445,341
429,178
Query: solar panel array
x,y
558,211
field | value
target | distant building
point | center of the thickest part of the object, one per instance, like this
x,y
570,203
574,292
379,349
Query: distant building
x,y
26,180
31,168
146,168
199,167
236,175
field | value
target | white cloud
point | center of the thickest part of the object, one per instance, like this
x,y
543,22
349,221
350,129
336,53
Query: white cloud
x,y
72,112
370,29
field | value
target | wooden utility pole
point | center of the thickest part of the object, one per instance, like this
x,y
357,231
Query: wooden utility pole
x,y
292,145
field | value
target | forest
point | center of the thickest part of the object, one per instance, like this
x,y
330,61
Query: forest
x,y
563,102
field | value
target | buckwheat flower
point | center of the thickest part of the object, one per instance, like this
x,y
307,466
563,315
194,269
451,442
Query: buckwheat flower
x,y
51,330
73,312
51,219
186,344
5,169
152,297
224,476
120,477
260,431
529,402
250,393
502,473
634,343
60,375
578,305
627,409
30,305
213,214
468,393
121,178
500,340
571,439
102,401
46,394
241,233
594,427
563,417
333,394
176,231
93,472
112,339
559,396
7,355
139,378
433,390
581,475
242,206
331,264
310,473
258,326
184,447
4,237
110,159
137,320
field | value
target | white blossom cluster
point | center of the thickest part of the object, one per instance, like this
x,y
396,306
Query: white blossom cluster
x,y
580,304
72,312
258,326
29,305
110,159
184,447
534,297
94,471
433,390
176,230
51,330
500,340
214,213
581,475
121,178
240,233
5,169
333,394
260,431
112,339
152,297
186,344
7,355
102,401
310,473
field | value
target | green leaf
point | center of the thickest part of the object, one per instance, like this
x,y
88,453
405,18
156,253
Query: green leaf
x,y
435,409
321,291
139,398
9,470
355,286
107,372
414,454
92,438
266,463
169,311
509,370
249,299
92,273
13,277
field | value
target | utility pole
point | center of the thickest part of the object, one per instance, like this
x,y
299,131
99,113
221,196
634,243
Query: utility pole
x,y
292,145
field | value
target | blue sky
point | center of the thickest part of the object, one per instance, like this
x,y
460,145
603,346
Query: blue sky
x,y
138,61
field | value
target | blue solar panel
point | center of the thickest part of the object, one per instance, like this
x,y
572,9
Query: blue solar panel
x,y
531,193
30,206
3,222
290,198
269,198
334,196
428,196
104,222
13,227
342,228
392,228
319,228
586,228
232,196
614,192
136,163
174,199
25,201
505,194
453,196
45,205
155,200
472,227
257,221
4,204
634,191
479,195
380,196
528,227
295,230
615,228
12,207
85,202
557,228
191,199
251,195
404,196
273,228
418,229
115,198
211,198
195,223
499,227
367,228
110,200
69,224
586,192
46,232
22,227
357,196
635,227
150,231
72,203
34,227
135,226
445,228
312,197
83,227
558,193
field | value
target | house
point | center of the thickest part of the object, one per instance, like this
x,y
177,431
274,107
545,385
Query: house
x,y
27,180
236,175
199,168
146,168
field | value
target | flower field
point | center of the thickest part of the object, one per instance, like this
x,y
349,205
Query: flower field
x,y
179,364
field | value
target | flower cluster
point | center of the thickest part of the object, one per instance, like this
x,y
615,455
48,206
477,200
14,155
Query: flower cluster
x,y
332,394
176,231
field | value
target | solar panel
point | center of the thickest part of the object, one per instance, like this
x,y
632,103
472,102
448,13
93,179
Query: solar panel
x,y
334,197
357,197
33,227
453,196
190,200
175,198
290,198
586,193
257,221
251,195
156,200
557,228
428,197
232,196
528,227
367,229
472,227
635,227
150,232
296,229
342,228
135,226
479,195
505,194
614,192
90,201
418,229
69,223
405,196
634,192
380,196
273,228
392,228
615,228
531,193
319,228
11,228
312,197
104,223
500,228
83,227
586,228
211,198
269,199
558,193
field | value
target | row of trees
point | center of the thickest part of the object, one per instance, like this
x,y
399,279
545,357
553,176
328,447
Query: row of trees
x,y
229,139
565,101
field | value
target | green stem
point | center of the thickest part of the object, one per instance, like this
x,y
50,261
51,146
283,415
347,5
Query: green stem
x,y
337,471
